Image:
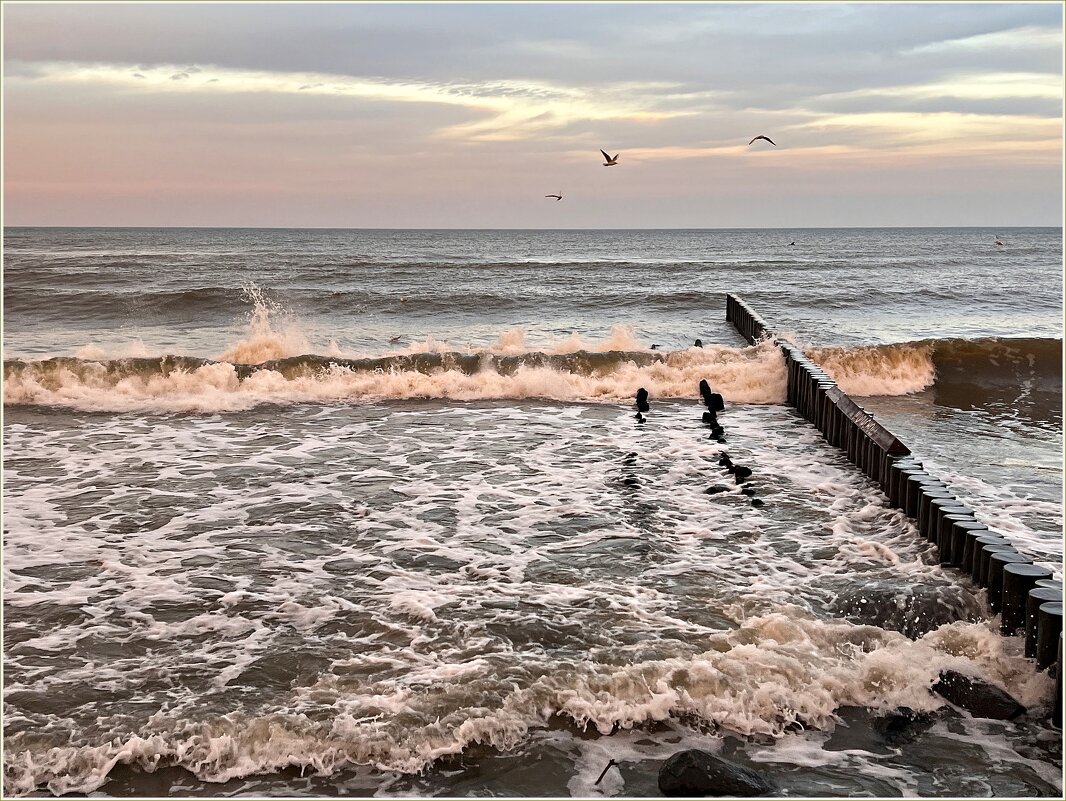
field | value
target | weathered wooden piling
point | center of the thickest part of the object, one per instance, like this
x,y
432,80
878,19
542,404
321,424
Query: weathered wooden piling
x,y
1048,629
1056,713
1038,596
951,540
997,562
974,538
1022,593
1018,580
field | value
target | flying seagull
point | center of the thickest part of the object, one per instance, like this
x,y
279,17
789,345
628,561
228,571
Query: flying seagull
x,y
767,138
611,162
557,197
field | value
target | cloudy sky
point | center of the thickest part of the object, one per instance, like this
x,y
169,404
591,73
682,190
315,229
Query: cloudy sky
x,y
466,115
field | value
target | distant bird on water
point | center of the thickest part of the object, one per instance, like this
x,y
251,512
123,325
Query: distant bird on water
x,y
610,162
767,138
557,197
999,241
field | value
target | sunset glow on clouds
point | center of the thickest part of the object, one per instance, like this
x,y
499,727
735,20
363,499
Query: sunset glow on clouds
x,y
459,116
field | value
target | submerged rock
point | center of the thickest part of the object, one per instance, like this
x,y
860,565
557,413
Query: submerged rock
x,y
694,773
911,610
904,725
979,698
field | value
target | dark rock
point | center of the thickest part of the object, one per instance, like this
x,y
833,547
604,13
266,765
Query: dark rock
x,y
979,698
747,491
756,502
725,461
911,609
695,773
714,489
741,472
902,726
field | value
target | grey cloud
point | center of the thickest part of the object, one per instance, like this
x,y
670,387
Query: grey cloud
x,y
475,41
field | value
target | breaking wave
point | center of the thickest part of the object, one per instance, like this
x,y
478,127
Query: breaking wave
x,y
261,369
177,383
275,362
973,364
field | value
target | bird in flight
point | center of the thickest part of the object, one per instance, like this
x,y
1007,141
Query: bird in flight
x,y
557,197
610,162
767,138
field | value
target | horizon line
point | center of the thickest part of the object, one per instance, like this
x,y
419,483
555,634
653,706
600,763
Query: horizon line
x,y
460,228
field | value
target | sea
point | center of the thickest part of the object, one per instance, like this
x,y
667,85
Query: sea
x,y
312,513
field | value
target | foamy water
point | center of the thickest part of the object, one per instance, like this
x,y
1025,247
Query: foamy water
x,y
354,590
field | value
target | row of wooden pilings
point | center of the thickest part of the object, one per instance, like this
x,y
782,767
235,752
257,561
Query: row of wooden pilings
x,y
1025,595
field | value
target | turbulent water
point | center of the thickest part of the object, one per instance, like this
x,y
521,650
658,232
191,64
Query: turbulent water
x,y
312,513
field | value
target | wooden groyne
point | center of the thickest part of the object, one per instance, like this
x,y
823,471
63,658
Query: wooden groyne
x,y
1024,594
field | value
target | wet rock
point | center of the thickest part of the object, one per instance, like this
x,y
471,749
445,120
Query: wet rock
x,y
902,726
912,610
741,472
694,773
714,489
979,698
756,502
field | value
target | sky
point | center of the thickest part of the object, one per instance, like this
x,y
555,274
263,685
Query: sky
x,y
435,115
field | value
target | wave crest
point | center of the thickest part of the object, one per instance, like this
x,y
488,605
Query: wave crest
x,y
902,368
176,383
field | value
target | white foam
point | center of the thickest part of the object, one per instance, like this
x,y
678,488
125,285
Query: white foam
x,y
741,375
545,587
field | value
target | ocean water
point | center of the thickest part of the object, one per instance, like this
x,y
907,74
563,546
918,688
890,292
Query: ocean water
x,y
346,512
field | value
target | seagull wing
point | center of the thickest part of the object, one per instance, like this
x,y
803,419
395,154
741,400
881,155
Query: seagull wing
x,y
605,155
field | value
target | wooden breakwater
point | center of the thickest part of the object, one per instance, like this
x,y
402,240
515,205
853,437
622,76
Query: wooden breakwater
x,y
1024,594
